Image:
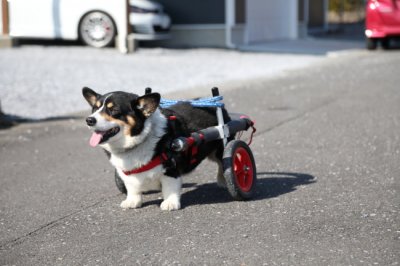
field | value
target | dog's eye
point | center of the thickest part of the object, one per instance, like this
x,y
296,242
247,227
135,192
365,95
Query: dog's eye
x,y
114,111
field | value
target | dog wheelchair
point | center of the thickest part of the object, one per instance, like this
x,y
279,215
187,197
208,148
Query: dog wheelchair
x,y
239,167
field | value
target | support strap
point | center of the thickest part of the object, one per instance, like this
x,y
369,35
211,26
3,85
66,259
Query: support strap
x,y
158,160
252,134
203,102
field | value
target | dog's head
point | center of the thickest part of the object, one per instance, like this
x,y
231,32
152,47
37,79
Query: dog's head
x,y
118,119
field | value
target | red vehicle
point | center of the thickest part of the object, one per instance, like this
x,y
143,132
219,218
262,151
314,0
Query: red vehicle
x,y
382,22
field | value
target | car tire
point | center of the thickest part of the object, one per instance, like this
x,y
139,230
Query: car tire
x,y
385,42
97,29
371,43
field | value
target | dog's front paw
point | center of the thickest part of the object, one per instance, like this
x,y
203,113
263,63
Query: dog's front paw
x,y
171,204
131,204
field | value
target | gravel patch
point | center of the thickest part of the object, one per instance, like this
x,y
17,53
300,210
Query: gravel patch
x,y
40,81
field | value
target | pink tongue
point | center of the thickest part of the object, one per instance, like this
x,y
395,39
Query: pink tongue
x,y
95,139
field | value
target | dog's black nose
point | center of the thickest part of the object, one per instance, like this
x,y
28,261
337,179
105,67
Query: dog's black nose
x,y
91,121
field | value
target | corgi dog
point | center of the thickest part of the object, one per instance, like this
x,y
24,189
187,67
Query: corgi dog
x,y
137,133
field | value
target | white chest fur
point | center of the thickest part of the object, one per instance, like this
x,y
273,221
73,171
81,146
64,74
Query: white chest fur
x,y
141,147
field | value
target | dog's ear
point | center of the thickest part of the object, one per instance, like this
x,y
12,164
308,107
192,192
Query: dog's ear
x,y
90,95
148,103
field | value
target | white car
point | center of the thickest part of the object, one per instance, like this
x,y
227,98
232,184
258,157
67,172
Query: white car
x,y
95,22
148,20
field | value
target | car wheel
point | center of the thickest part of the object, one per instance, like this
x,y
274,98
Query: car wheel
x,y
371,43
97,29
385,42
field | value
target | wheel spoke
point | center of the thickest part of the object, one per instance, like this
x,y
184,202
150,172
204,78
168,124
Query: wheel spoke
x,y
240,171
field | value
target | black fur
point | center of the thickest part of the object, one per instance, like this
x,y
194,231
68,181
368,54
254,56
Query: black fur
x,y
189,119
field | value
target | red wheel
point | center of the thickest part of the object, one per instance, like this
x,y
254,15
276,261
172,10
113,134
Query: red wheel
x,y
239,170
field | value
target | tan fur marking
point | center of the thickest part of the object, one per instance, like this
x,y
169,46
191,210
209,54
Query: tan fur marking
x,y
131,121
112,119
92,100
127,127
110,105
98,104
131,124
147,105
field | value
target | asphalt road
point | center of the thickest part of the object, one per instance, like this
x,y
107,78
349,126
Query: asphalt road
x,y
327,151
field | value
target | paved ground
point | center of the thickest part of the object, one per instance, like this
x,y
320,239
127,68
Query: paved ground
x,y
40,81
43,79
306,46
327,152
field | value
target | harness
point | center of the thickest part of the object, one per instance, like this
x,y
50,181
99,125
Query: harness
x,y
160,159
167,157
166,154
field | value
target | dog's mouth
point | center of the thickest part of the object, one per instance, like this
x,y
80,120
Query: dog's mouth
x,y
99,137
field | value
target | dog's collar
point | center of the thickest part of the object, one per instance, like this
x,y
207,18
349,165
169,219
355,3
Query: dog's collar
x,y
156,161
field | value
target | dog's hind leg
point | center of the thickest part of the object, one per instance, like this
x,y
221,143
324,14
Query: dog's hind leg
x,y
171,190
217,158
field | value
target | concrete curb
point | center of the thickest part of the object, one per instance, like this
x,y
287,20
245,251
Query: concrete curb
x,y
7,42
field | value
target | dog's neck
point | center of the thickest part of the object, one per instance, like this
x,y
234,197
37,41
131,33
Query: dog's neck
x,y
140,149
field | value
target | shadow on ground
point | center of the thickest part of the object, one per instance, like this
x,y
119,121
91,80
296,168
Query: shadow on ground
x,y
269,185
8,121
45,43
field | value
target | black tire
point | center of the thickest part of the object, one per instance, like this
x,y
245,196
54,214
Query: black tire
x,y
120,183
97,29
371,43
239,170
385,43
